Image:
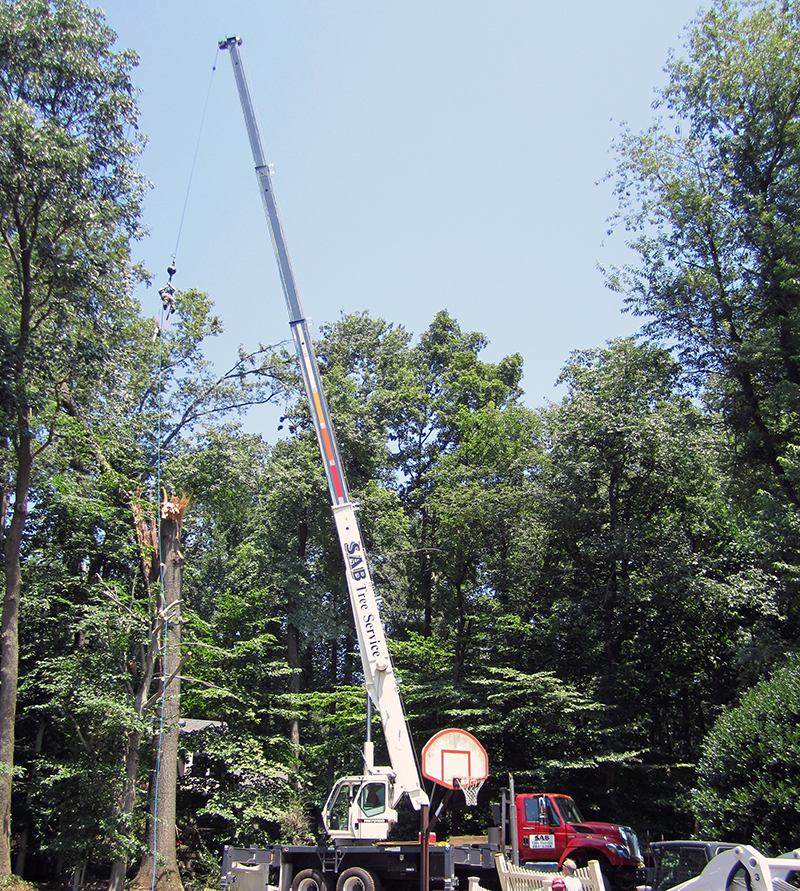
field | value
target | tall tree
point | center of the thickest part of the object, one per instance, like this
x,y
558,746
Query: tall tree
x,y
481,507
647,592
83,566
709,195
448,379
69,206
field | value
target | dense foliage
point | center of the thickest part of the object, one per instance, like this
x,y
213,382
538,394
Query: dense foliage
x,y
749,772
591,588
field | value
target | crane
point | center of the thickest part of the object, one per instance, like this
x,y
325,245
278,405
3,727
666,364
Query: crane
x,y
358,807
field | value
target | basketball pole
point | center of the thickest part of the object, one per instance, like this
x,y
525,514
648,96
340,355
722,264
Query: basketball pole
x,y
426,827
425,850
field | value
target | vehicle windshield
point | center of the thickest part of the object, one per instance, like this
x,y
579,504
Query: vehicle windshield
x,y
677,864
569,810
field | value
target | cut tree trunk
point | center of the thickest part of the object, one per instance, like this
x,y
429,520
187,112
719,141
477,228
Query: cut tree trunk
x,y
159,869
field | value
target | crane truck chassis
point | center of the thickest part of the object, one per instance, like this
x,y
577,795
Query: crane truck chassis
x,y
396,866
337,868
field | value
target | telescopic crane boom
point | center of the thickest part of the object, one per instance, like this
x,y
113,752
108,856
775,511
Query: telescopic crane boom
x,y
355,799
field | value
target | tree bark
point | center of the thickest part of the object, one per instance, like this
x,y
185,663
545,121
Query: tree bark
x,y
22,844
293,657
133,743
159,869
293,660
9,643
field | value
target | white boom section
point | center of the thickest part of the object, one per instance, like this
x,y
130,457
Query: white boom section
x,y
379,673
744,867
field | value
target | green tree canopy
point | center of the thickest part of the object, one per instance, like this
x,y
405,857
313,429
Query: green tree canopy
x,y
709,195
748,785
70,200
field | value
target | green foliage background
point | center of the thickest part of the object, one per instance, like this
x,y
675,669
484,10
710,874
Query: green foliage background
x,y
604,591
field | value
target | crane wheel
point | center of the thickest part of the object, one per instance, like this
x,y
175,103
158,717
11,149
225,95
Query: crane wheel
x,y
358,879
311,880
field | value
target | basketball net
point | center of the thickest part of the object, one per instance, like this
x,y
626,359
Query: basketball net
x,y
470,786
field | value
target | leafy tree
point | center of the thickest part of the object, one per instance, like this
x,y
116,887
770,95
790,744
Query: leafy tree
x,y
748,784
448,380
646,590
89,573
69,205
480,504
709,195
252,507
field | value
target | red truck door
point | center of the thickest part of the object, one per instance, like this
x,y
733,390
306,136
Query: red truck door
x,y
542,832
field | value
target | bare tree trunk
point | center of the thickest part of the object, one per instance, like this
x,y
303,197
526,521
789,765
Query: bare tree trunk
x,y
5,487
9,642
22,844
133,743
159,868
293,657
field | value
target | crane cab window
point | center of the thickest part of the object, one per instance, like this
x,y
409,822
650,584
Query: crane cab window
x,y
372,799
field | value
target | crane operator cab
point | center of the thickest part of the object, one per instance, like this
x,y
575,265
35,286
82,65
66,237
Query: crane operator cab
x,y
359,808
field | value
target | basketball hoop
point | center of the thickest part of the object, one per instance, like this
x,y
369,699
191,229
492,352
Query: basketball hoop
x,y
455,759
470,786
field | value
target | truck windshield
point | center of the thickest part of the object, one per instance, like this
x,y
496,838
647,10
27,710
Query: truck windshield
x,y
569,810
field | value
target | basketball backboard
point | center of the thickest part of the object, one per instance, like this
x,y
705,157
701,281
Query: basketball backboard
x,y
454,758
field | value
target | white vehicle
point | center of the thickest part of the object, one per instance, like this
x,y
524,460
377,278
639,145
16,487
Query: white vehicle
x,y
358,807
743,868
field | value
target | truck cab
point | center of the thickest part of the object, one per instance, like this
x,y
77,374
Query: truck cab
x,y
358,808
550,828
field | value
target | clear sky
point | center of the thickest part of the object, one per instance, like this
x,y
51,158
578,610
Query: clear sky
x,y
428,154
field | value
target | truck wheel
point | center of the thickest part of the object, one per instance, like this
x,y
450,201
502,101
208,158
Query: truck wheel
x,y
358,879
311,880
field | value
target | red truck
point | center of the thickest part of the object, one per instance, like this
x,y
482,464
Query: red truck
x,y
550,829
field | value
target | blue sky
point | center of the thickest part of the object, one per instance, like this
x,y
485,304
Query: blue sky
x,y
428,155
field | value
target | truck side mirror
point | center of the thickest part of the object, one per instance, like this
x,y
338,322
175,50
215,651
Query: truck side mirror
x,y
542,809
497,815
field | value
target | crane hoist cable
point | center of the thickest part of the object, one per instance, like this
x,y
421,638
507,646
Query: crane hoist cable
x,y
167,294
194,159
